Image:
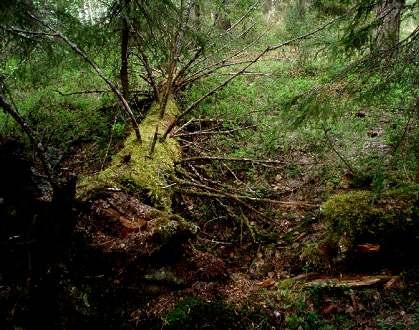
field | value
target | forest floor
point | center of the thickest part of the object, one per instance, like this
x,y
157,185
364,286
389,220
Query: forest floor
x,y
259,261
257,266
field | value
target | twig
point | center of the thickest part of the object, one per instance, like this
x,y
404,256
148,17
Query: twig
x,y
214,241
109,144
213,132
350,168
213,192
7,108
231,159
82,54
97,92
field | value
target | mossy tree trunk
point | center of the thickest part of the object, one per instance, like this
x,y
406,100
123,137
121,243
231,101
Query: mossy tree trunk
x,y
132,168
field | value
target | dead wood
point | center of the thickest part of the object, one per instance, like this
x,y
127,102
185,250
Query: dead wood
x,y
352,282
198,133
42,152
231,159
57,34
213,192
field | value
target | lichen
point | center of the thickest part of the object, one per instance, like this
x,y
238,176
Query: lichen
x,y
132,168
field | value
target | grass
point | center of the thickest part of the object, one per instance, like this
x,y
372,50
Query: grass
x,y
360,128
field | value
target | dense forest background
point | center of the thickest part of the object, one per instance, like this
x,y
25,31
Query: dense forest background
x,y
218,164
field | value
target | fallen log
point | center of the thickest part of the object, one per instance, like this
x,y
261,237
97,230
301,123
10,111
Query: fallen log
x,y
129,203
133,169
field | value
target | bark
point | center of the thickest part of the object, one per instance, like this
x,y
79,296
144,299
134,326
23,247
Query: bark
x,y
388,31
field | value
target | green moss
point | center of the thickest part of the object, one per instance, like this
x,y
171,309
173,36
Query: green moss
x,y
168,226
361,215
141,172
194,313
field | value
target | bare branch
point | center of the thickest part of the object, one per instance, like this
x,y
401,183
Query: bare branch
x,y
232,159
99,72
213,132
10,110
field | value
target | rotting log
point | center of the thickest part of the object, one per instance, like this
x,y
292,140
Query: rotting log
x,y
129,202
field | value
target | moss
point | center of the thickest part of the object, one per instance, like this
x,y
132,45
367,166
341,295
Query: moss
x,y
195,313
361,215
169,226
140,172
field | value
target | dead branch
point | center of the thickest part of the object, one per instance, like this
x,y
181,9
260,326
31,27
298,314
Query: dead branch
x,y
248,73
213,132
243,17
205,72
143,93
8,109
109,144
231,159
203,179
213,192
187,66
82,54
332,145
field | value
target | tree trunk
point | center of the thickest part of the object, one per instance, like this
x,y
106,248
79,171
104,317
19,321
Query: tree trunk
x,y
388,31
124,58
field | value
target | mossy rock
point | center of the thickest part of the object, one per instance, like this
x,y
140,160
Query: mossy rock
x,y
363,216
133,170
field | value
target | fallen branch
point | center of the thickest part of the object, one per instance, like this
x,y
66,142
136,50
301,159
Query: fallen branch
x,y
231,159
97,92
213,192
332,145
360,282
8,109
213,132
